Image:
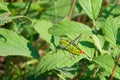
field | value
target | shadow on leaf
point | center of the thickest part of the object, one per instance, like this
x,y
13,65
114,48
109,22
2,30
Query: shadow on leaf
x,y
34,52
118,37
87,44
2,37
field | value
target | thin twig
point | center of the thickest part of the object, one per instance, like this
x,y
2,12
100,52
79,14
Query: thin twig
x,y
114,69
71,9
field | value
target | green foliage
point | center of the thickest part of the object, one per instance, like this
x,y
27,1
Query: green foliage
x,y
57,11
3,7
96,42
107,63
87,45
42,28
31,34
111,30
91,8
58,60
67,26
13,44
6,19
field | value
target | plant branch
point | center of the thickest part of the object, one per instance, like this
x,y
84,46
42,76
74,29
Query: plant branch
x,y
114,69
71,9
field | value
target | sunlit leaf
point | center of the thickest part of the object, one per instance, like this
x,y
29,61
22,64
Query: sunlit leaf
x,y
58,60
107,63
67,26
96,42
87,45
91,7
99,23
42,28
12,44
67,72
57,11
111,30
21,19
3,7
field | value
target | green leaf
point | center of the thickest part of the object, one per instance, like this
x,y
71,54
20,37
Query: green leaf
x,y
57,10
107,63
67,73
103,76
4,18
115,52
91,7
42,28
116,21
111,30
102,40
67,26
116,10
23,19
87,45
15,5
13,45
3,7
58,60
99,23
97,42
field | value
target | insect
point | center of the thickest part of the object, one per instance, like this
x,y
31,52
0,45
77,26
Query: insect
x,y
71,46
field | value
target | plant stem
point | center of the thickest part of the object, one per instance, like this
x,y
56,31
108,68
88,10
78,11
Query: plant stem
x,y
114,69
71,9
28,7
94,25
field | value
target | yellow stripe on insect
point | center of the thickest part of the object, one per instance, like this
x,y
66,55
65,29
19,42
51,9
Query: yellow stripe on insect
x,y
70,47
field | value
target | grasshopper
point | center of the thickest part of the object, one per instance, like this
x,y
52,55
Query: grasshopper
x,y
71,46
